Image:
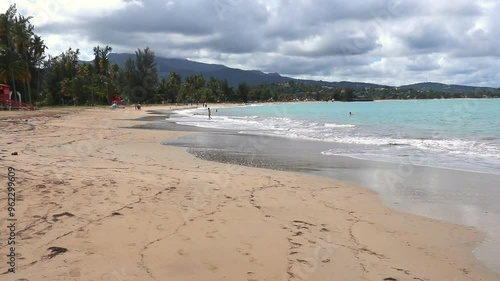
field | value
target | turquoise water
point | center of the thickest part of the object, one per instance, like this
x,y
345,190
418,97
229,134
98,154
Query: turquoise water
x,y
462,134
459,134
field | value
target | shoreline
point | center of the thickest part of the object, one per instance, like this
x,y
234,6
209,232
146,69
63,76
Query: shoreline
x,y
484,250
448,210
152,212
397,190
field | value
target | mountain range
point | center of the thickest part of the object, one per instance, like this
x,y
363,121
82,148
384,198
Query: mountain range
x,y
235,76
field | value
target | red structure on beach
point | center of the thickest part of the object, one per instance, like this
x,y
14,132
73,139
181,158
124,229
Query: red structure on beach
x,y
119,101
7,103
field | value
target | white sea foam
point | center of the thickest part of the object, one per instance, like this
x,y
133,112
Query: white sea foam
x,y
374,143
445,134
330,125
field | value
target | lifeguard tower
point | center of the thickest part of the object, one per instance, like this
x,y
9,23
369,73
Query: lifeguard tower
x,y
7,103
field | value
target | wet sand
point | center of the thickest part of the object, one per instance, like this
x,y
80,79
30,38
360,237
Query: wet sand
x,y
461,197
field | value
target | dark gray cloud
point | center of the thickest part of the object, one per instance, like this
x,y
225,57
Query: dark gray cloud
x,y
389,41
430,38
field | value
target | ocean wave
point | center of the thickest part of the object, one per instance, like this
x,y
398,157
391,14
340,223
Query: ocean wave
x,y
333,125
332,132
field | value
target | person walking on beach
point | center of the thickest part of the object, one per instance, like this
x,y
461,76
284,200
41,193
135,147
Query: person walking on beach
x,y
209,114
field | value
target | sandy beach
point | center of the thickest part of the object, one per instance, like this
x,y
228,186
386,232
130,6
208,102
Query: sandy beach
x,y
96,200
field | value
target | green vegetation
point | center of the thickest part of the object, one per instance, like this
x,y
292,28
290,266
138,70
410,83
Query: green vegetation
x,y
66,80
21,53
295,90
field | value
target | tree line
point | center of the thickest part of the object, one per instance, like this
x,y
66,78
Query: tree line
x,y
66,80
22,53
70,81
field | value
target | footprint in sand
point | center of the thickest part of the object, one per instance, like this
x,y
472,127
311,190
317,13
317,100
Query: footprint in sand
x,y
247,245
254,261
212,267
94,193
75,272
56,217
210,234
251,277
243,252
81,234
185,238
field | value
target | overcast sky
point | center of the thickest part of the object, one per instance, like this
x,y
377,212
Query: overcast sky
x,y
392,42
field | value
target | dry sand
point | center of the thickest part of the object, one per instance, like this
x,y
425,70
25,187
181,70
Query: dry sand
x,y
127,208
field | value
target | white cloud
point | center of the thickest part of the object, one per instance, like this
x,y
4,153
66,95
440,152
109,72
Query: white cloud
x,y
393,42
170,5
49,11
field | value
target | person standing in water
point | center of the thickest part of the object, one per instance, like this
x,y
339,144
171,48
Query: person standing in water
x,y
209,114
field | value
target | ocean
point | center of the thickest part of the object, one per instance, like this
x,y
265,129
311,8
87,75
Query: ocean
x,y
461,134
435,158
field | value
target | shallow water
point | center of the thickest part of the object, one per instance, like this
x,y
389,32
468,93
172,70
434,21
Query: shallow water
x,y
466,198
436,158
458,134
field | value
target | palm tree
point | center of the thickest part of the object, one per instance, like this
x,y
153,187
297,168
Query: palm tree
x,y
12,68
36,53
7,25
114,72
21,35
15,35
